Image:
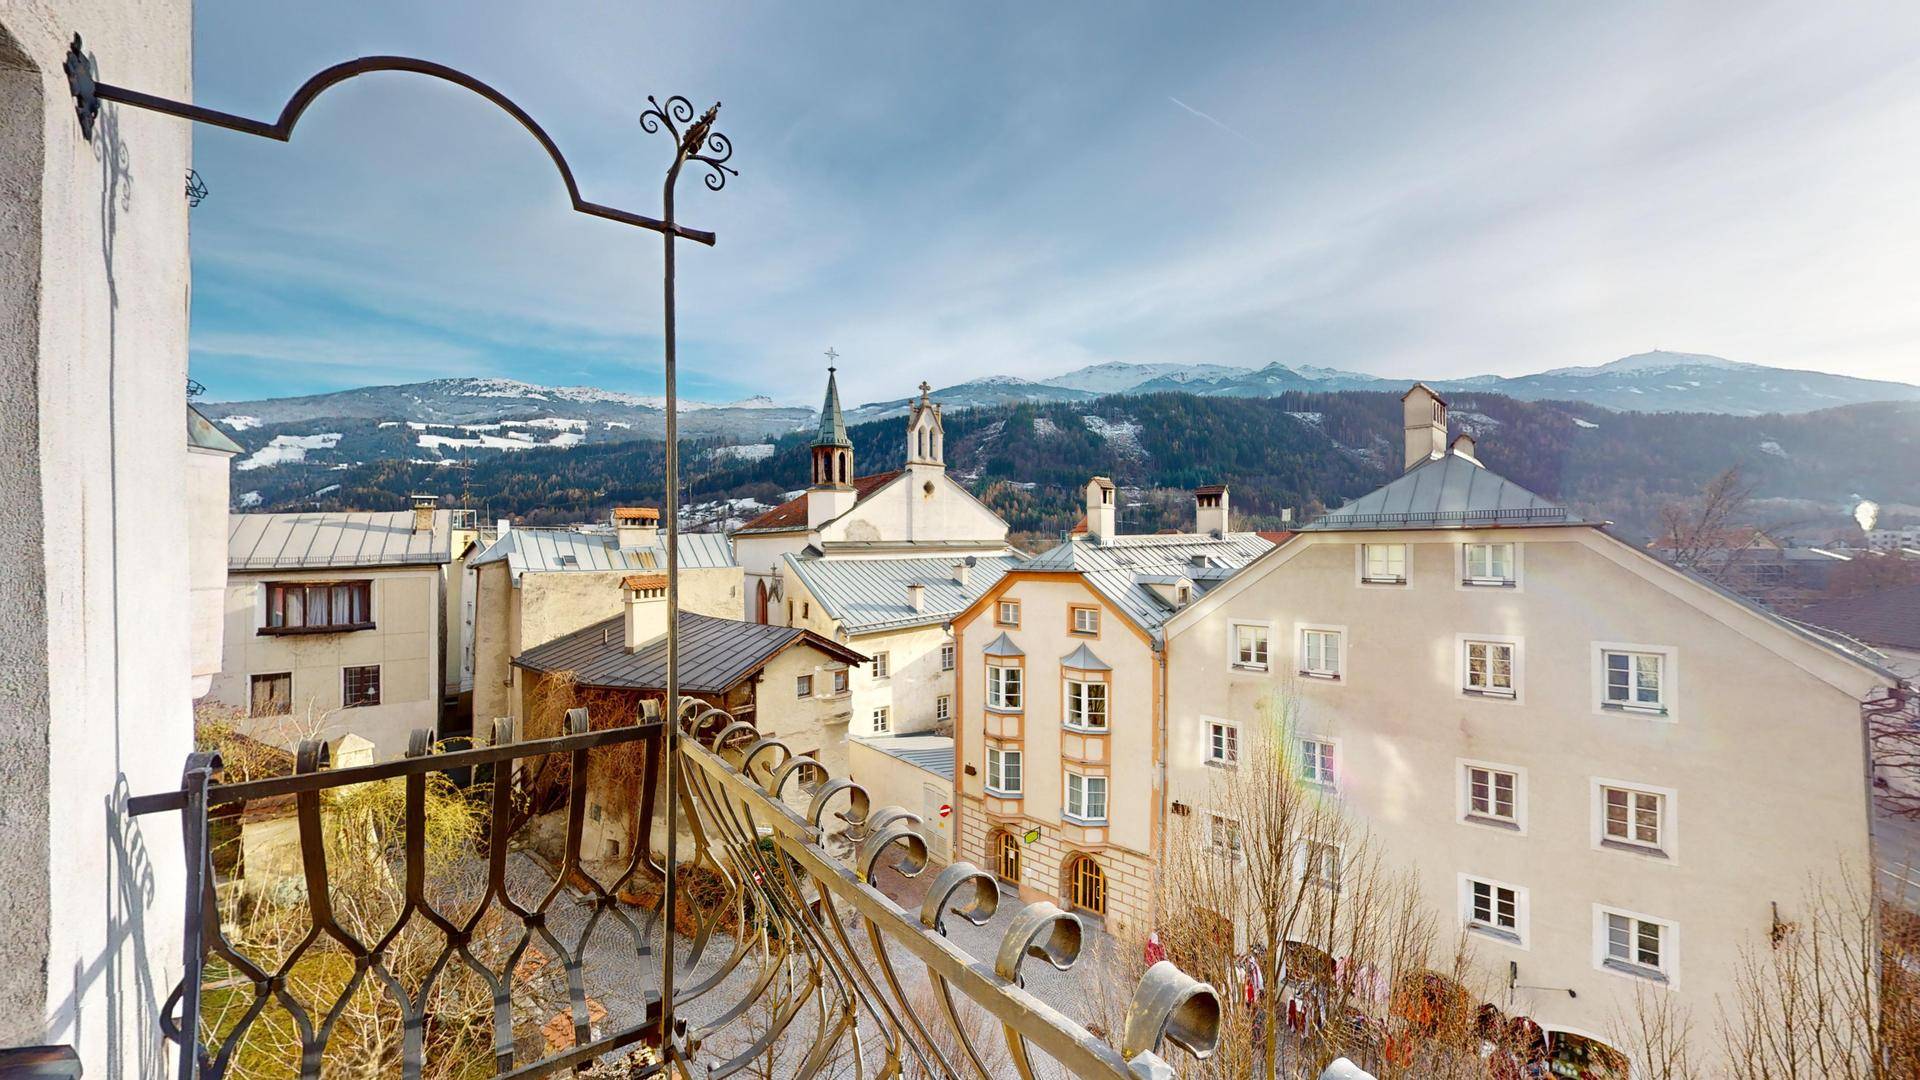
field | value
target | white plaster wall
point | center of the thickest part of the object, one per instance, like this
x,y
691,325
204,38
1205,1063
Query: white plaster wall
x,y
923,504
98,643
208,489
1765,757
891,781
913,683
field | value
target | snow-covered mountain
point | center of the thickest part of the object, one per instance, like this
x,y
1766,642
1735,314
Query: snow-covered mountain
x,y
1118,377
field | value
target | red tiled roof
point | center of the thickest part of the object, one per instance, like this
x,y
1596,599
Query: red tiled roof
x,y
792,514
1276,537
1079,527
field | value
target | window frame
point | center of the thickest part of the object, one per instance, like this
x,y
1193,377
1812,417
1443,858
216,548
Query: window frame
x,y
880,720
1516,936
1363,566
1339,635
803,685
1074,611
1311,862
998,755
993,691
1666,972
949,656
1000,609
1261,667
1082,817
943,707
258,675
842,681
1667,850
1666,711
883,664
1462,661
1068,680
273,602
1464,577
1235,847
1231,729
1326,761
379,688
1467,815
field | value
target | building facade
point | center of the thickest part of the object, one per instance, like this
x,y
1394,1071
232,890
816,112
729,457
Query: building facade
x,y
1060,698
1613,775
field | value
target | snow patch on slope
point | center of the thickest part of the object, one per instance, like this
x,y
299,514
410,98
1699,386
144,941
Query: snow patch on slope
x,y
1123,435
288,448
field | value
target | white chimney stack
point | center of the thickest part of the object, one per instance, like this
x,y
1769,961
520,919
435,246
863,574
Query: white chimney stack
x,y
916,596
646,596
961,570
1463,445
1210,510
636,527
423,512
1100,509
502,527
1426,421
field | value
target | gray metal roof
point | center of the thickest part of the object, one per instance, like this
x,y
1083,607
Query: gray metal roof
x,y
1124,569
203,435
343,540
1083,659
1004,646
933,753
596,548
715,654
1450,492
869,593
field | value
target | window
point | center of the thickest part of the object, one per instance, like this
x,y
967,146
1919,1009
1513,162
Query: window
x,y
1006,856
1323,865
946,657
1493,794
1003,687
806,609
1489,565
882,664
359,686
1490,668
1250,646
1629,816
1320,653
840,680
1086,620
1384,564
1088,890
1008,613
1223,834
1087,798
1316,762
1635,680
1637,945
271,695
943,707
882,720
1494,908
295,607
1003,771
1087,704
1223,744
803,686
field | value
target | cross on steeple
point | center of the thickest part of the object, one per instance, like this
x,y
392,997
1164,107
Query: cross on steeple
x,y
831,357
925,388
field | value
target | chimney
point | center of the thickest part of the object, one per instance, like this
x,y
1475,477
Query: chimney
x,y
1100,510
423,512
916,596
961,570
1426,421
502,527
1463,445
646,596
1210,510
636,526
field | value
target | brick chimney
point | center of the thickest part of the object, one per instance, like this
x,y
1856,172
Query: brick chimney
x,y
423,512
1210,510
1426,423
636,526
646,596
1100,509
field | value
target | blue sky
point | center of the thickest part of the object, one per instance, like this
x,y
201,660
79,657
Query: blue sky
x,y
945,191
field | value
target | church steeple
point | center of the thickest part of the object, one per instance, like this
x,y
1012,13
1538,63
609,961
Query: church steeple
x,y
926,435
832,450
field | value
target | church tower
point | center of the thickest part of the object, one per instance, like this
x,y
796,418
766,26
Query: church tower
x,y
830,493
926,436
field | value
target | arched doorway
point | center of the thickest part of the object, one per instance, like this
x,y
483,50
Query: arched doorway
x,y
761,599
1004,850
1086,885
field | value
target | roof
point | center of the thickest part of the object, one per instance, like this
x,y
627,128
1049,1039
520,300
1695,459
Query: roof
x,y
562,550
1889,617
716,654
792,514
933,753
1124,569
642,582
320,540
833,426
1004,646
1449,492
636,513
1435,394
869,593
203,435
1083,659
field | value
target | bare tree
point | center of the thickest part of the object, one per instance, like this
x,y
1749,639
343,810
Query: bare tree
x,y
1702,534
1656,1033
1893,737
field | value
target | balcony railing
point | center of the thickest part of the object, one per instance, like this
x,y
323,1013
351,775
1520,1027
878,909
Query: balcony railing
x,y
786,958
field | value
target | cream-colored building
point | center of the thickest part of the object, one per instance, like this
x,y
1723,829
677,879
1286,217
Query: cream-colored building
x,y
1060,690
1614,775
534,585
915,773
209,487
336,625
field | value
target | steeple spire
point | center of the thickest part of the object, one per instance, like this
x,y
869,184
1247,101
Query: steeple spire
x,y
832,450
833,426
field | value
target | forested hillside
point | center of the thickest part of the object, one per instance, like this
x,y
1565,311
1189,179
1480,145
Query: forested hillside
x,y
1299,450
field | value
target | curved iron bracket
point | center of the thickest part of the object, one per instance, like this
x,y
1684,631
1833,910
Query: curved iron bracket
x,y
89,92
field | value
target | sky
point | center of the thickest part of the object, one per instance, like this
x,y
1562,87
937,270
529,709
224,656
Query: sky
x,y
948,191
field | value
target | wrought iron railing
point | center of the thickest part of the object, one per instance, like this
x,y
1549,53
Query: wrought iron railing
x,y
790,960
